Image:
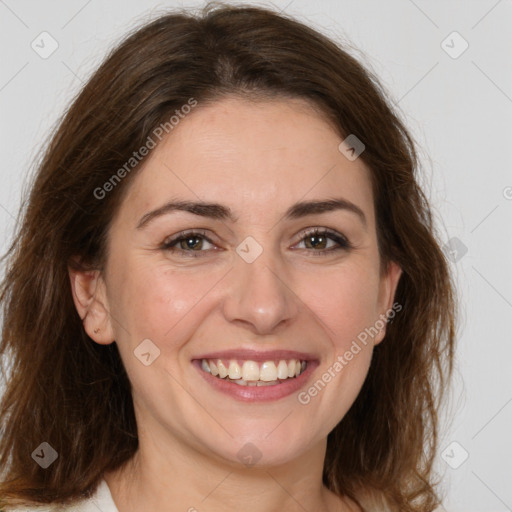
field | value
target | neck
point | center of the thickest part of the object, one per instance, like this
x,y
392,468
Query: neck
x,y
192,481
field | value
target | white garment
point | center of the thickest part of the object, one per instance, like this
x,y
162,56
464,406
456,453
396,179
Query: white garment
x,y
100,501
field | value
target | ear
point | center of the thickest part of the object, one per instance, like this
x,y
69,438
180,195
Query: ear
x,y
90,298
388,285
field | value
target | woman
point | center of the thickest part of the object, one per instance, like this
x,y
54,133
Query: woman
x,y
226,284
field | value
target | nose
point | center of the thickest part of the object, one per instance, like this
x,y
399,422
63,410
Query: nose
x,y
259,297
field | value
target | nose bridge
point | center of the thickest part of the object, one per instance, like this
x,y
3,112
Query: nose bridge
x,y
259,293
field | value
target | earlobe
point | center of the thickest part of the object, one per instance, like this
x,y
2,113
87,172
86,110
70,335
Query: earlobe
x,y
389,283
89,296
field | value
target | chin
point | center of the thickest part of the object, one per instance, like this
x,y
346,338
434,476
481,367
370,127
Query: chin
x,y
264,450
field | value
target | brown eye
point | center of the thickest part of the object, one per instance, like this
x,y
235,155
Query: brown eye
x,y
324,241
193,243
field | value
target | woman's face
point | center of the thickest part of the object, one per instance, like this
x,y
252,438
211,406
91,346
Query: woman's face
x,y
255,275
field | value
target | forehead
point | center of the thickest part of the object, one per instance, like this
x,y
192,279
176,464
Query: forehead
x,y
250,155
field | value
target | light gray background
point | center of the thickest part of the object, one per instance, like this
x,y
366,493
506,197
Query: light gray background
x,y
459,110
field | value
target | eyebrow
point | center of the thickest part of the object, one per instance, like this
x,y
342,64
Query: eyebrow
x,y
220,212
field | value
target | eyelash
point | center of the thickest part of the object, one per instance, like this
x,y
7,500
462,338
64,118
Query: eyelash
x,y
343,243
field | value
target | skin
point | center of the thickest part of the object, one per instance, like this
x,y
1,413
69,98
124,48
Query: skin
x,y
257,158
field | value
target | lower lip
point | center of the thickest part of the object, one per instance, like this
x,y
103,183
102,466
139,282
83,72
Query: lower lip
x,y
258,393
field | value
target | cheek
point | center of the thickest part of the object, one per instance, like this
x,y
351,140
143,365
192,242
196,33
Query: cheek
x,y
155,302
345,303
165,307
344,300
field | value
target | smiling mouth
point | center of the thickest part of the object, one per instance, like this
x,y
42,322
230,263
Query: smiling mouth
x,y
252,373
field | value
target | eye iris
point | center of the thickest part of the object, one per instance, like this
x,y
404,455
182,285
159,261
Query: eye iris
x,y
196,242
318,241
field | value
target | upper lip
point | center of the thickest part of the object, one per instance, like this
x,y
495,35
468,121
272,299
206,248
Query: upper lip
x,y
257,355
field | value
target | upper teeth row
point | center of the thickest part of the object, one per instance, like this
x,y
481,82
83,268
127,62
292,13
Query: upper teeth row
x,y
251,370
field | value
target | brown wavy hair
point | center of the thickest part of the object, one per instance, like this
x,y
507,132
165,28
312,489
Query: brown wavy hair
x,y
64,389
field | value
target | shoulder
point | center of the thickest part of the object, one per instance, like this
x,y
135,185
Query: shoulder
x,y
100,500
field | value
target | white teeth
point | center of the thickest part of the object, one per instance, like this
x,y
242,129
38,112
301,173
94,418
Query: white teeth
x,y
234,372
213,368
223,372
282,370
253,374
250,370
270,383
268,371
